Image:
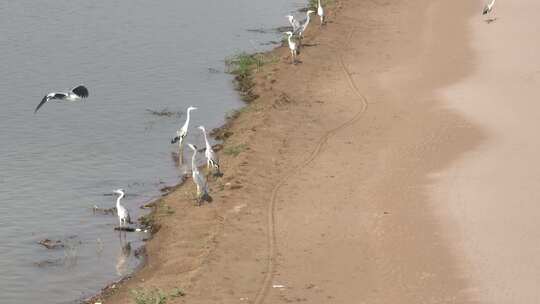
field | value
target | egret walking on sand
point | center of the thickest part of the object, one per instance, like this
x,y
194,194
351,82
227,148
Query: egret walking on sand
x,y
292,46
320,12
75,94
182,132
212,160
198,178
488,7
304,25
123,214
294,23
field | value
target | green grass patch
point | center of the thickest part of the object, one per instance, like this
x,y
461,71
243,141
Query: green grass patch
x,y
155,295
152,296
243,64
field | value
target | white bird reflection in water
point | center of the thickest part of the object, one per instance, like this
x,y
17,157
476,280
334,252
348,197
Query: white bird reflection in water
x,y
123,259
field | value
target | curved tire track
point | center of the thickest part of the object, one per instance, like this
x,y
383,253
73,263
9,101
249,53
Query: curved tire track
x,y
271,224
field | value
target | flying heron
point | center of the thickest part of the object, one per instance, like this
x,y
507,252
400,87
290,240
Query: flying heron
x,y
75,94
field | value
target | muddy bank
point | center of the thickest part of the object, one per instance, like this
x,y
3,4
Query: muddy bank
x,y
323,197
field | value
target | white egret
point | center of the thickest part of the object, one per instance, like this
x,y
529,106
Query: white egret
x,y
198,178
320,12
212,160
294,23
488,7
182,132
292,46
123,214
305,24
75,94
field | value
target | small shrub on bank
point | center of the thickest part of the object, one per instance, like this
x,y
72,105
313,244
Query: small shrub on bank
x,y
243,64
153,296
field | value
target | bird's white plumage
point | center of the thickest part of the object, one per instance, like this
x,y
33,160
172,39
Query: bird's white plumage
x,y
320,12
304,25
123,214
198,178
488,7
76,94
212,160
183,131
292,46
294,23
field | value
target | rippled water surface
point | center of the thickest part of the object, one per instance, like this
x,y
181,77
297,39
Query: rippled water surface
x,y
55,165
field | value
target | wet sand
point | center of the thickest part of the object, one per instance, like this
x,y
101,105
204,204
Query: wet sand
x,y
387,167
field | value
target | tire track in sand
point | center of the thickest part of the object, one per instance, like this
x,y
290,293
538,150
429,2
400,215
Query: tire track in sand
x,y
271,224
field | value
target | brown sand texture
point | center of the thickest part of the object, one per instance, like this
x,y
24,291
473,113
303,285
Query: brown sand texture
x,y
394,164
491,194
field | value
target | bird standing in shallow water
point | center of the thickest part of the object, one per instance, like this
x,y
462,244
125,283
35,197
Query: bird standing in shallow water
x,y
123,214
182,133
198,179
212,160
292,46
320,12
75,94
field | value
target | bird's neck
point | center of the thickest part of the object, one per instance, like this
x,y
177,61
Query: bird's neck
x,y
319,3
118,200
206,139
307,22
193,164
187,119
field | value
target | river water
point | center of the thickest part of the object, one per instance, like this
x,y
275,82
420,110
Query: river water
x,y
55,165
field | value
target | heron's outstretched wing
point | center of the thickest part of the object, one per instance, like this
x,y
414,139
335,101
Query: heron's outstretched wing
x,y
81,91
43,101
49,97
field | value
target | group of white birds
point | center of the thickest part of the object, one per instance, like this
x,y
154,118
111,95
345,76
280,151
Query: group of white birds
x,y
212,160
298,29
79,92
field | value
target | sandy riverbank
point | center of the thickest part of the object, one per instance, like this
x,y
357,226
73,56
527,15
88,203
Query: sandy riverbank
x,y
331,194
